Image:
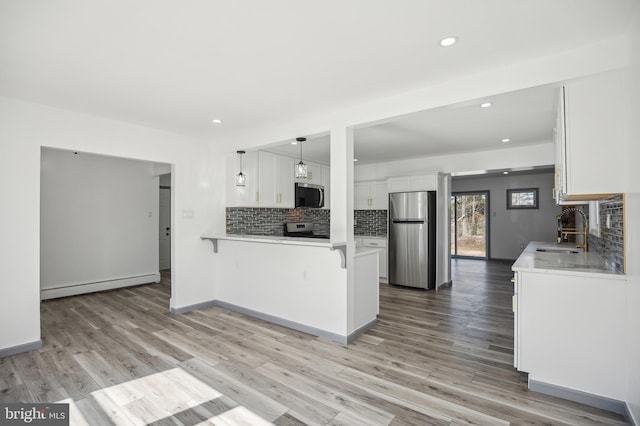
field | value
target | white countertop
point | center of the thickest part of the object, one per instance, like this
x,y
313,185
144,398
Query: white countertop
x,y
275,239
582,263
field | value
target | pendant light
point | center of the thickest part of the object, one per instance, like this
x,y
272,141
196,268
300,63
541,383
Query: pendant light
x,y
240,177
301,168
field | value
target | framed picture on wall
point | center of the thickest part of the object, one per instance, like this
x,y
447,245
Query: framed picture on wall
x,y
525,198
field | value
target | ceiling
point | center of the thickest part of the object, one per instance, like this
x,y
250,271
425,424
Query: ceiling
x,y
176,65
525,117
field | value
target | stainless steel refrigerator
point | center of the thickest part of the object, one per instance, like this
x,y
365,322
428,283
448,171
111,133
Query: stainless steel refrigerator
x,y
412,239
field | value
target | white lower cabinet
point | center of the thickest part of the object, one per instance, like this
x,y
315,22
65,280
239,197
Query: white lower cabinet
x,y
378,243
516,322
569,330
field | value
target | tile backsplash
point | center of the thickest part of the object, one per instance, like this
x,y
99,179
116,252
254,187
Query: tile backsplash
x,y
610,244
270,221
370,223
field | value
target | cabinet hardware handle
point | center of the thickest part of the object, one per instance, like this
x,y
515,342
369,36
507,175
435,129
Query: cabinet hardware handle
x,y
513,280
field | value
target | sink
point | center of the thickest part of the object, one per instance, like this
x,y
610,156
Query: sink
x,y
553,250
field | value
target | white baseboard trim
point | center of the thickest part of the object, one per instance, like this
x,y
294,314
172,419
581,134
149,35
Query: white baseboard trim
x,y
446,284
90,287
338,338
597,401
25,347
194,307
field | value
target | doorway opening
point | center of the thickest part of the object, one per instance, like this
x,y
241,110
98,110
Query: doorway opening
x,y
164,223
470,224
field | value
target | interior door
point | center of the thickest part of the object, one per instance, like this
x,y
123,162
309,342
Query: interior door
x,y
164,220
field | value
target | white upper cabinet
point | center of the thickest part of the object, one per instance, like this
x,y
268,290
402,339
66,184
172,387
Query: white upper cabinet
x,y
275,180
424,182
590,136
314,173
326,182
247,195
370,195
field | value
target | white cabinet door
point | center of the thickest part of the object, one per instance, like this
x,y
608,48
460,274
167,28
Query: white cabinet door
x,y
381,244
247,195
267,165
399,184
361,196
424,182
285,187
370,195
516,322
594,137
326,182
314,173
276,180
379,195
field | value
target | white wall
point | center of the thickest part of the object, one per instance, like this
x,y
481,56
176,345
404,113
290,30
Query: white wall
x,y
511,230
519,157
632,210
197,184
98,219
304,285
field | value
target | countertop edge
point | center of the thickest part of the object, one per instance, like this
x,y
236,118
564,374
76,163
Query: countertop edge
x,y
269,239
532,261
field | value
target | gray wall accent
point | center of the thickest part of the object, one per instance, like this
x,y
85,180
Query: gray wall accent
x,y
511,230
370,223
574,395
25,347
610,244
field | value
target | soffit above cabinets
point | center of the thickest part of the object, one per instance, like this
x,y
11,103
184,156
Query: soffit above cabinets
x,y
525,117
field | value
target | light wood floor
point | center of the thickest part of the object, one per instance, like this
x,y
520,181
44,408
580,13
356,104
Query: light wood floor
x,y
441,358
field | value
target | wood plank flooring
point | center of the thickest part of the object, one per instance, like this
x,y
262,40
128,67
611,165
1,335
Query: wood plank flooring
x,y
443,358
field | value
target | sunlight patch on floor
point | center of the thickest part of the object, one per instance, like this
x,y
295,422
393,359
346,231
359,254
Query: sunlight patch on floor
x,y
159,396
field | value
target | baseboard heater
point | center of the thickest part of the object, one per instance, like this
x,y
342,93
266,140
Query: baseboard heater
x,y
90,287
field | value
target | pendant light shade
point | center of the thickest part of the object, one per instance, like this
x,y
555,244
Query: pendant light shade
x,y
241,178
301,168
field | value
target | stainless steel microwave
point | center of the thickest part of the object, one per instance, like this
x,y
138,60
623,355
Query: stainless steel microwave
x,y
309,195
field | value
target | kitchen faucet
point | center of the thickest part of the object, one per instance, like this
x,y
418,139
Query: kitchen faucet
x,y
564,232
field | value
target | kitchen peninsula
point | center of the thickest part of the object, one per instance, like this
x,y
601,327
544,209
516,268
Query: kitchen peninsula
x,y
568,324
296,282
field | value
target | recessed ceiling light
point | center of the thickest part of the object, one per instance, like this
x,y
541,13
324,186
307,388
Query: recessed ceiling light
x,y
355,159
485,105
216,121
505,140
505,173
294,143
448,41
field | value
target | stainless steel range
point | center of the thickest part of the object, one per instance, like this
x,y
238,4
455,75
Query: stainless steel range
x,y
301,229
